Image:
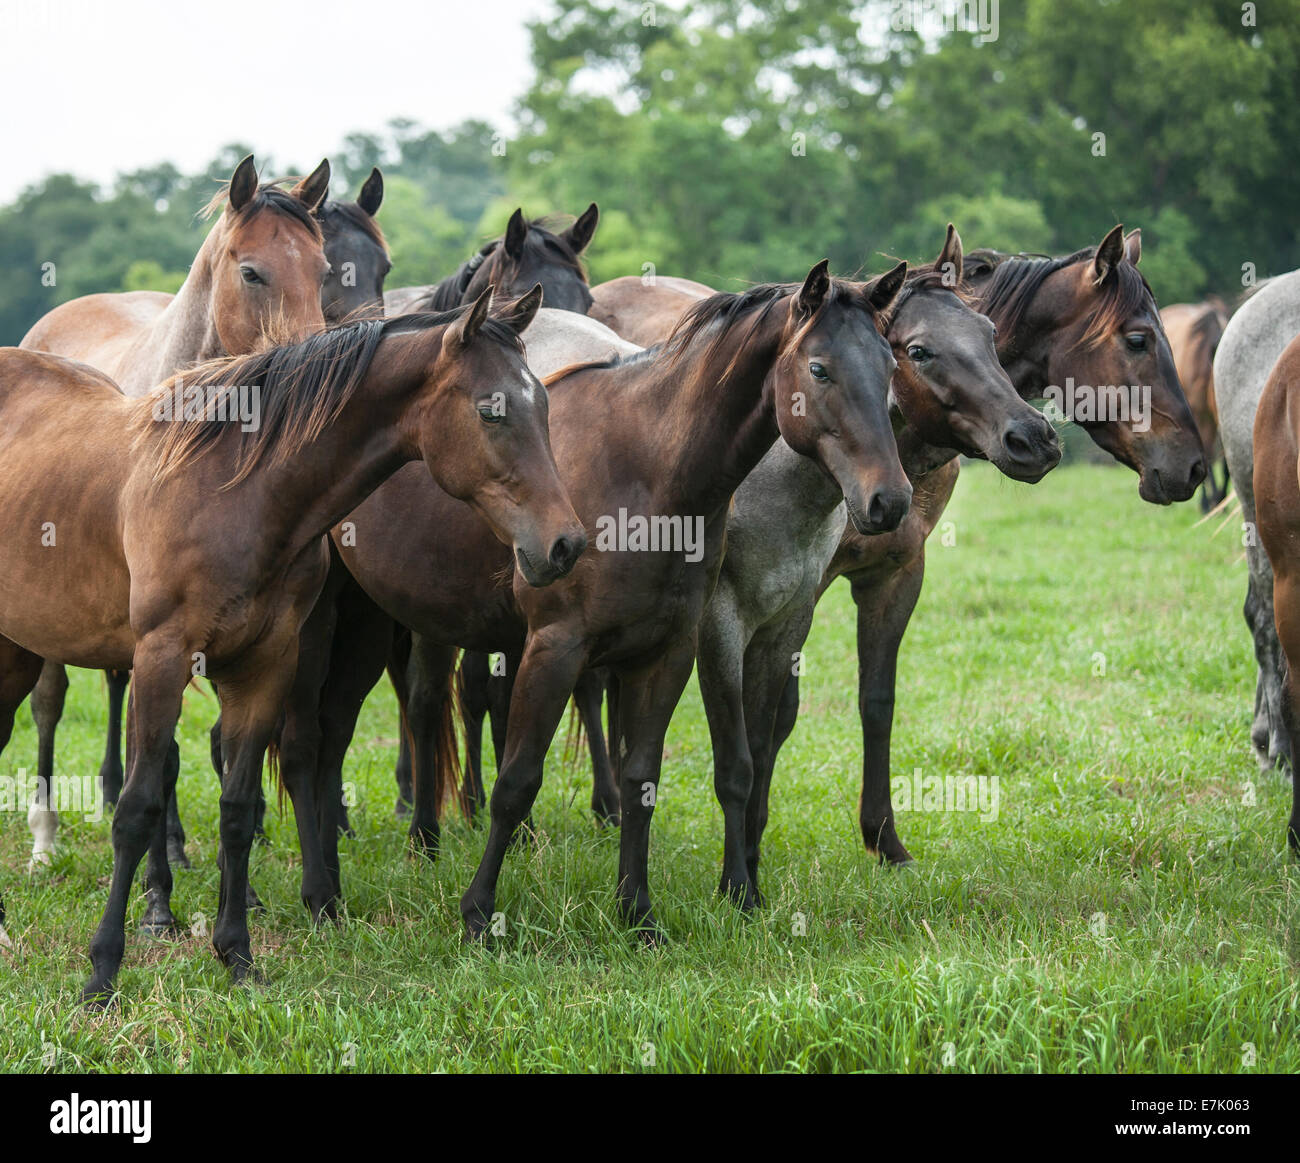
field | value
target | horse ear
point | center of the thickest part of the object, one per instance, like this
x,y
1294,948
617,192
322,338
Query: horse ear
x,y
243,184
466,327
519,314
372,193
1109,255
951,253
311,191
579,235
885,289
814,290
1133,246
516,232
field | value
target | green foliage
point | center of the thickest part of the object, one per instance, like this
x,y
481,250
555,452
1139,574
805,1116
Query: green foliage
x,y
147,275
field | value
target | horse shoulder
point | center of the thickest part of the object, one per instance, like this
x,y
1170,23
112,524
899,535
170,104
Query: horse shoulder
x,y
98,329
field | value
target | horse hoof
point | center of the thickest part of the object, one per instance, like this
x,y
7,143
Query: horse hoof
x,y
608,818
176,854
244,974
743,894
40,860
98,998
160,928
253,902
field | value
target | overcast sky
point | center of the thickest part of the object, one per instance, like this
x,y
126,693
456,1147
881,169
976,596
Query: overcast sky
x,y
98,86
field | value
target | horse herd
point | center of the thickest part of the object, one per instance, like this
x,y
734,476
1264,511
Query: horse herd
x,y
664,477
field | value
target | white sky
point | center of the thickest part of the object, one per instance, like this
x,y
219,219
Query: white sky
x,y
97,86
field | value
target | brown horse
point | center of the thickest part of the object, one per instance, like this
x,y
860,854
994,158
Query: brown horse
x,y
1194,331
107,567
528,253
656,441
262,268
1277,512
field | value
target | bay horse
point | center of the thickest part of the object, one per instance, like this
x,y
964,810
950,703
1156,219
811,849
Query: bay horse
x,y
354,287
1276,489
131,580
528,253
1254,340
1194,331
659,440
260,268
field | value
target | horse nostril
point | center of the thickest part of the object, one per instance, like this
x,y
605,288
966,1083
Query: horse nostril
x,y
566,551
1018,448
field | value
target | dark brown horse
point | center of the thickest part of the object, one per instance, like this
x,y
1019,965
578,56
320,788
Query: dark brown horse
x,y
528,253
107,567
1277,512
652,448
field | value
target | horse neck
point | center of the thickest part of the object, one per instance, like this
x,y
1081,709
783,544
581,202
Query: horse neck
x,y
1022,349
707,433
184,334
367,442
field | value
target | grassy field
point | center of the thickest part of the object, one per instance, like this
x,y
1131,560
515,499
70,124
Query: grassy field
x,y
1131,908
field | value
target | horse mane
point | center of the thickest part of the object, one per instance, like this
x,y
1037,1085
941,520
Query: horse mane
x,y
1014,280
303,388
269,196
918,280
722,311
451,290
355,216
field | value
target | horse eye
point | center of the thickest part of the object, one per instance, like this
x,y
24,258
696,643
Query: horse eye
x,y
918,354
818,371
250,276
1136,342
489,414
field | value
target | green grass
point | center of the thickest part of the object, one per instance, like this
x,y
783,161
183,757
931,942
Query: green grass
x,y
1132,908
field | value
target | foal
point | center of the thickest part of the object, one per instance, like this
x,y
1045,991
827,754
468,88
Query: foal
x,y
135,581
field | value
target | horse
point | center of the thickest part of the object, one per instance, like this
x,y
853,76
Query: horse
x,y
261,267
131,580
528,253
357,254
644,310
1276,495
656,440
354,287
1194,331
1253,342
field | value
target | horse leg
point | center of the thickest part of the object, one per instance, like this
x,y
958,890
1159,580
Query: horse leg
x,y
589,695
721,673
158,919
647,699
47,709
884,610
161,671
361,646
475,698
543,683
252,699
110,768
20,670
430,711
299,748
1268,733
769,662
399,659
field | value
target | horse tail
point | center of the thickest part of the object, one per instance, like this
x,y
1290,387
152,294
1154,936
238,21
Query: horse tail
x,y
447,773
575,735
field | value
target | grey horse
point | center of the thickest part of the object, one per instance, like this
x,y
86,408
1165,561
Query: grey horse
x,y
1253,341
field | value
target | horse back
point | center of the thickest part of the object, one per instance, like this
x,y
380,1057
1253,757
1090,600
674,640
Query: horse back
x,y
98,329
